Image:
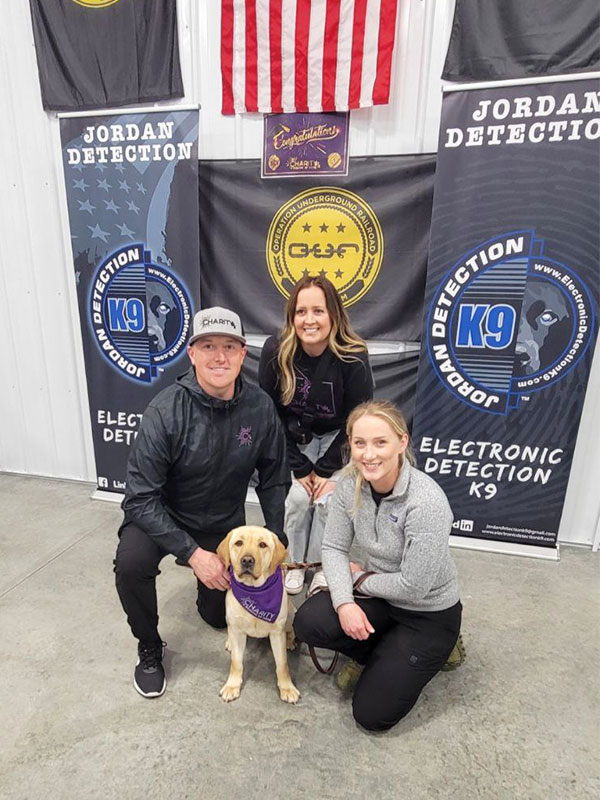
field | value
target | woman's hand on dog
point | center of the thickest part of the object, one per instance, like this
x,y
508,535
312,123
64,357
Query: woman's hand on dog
x,y
354,621
209,569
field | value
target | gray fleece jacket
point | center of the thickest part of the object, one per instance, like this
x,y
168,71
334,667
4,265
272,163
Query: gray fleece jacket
x,y
405,541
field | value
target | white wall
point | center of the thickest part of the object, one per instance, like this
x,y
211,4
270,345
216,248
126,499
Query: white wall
x,y
44,421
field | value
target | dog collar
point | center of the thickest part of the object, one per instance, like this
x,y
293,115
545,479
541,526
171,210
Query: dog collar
x,y
263,602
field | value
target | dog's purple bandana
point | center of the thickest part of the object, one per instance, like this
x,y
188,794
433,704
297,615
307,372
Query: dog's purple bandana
x,y
263,602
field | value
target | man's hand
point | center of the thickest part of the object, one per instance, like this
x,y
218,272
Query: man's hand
x,y
354,621
354,567
321,486
209,569
307,483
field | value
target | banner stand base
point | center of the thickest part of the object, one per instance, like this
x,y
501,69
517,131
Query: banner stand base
x,y
112,497
506,548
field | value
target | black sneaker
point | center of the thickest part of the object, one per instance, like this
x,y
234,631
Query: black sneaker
x,y
149,676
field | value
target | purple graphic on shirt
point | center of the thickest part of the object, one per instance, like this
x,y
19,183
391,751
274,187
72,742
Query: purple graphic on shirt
x,y
244,437
304,387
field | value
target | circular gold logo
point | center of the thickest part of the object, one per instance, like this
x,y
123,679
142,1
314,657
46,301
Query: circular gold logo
x,y
334,160
274,162
95,3
329,232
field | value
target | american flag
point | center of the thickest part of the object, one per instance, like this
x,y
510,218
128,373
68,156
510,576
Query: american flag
x,y
306,55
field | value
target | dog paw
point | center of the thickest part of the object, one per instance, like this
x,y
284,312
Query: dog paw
x,y
289,694
290,641
227,645
229,692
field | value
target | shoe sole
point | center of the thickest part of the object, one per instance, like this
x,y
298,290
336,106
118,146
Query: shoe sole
x,y
149,694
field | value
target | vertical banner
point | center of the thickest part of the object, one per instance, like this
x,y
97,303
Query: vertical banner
x,y
511,304
132,194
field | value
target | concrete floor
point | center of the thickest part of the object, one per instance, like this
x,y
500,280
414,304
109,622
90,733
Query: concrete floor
x,y
518,720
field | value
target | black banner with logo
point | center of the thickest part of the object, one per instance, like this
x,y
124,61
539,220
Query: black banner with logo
x,y
132,195
367,232
106,53
493,41
511,304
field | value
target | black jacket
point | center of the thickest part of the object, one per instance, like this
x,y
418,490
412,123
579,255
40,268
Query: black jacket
x,y
193,458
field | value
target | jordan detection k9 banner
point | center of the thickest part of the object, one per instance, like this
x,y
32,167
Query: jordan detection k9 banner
x,y
511,305
132,193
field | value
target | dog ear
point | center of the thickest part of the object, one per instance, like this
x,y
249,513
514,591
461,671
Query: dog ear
x,y
223,550
279,553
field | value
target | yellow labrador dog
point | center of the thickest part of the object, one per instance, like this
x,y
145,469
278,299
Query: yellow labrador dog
x,y
257,604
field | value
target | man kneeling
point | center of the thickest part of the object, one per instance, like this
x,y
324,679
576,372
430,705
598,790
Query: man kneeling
x,y
188,472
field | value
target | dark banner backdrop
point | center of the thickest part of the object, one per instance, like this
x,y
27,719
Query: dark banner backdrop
x,y
367,232
493,40
101,54
132,195
511,304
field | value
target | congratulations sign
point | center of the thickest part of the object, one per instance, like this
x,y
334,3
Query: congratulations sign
x,y
511,305
305,144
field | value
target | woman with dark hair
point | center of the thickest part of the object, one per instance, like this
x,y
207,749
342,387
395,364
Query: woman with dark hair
x,y
316,372
397,615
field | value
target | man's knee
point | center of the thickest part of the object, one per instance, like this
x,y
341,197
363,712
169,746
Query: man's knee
x,y
211,608
136,560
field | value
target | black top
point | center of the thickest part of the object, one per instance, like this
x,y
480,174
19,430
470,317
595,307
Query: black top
x,y
193,458
378,496
342,388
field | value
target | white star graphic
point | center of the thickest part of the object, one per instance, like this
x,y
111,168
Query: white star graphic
x,y
86,206
98,233
110,206
125,231
132,206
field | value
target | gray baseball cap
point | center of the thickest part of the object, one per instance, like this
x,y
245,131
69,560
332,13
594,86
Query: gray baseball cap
x,y
217,321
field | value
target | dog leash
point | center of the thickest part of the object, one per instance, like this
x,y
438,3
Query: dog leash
x,y
313,653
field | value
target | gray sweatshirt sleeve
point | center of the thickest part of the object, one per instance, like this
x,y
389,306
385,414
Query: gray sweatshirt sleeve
x,y
339,533
427,530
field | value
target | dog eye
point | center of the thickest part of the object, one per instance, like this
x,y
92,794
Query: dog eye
x,y
262,544
239,543
548,317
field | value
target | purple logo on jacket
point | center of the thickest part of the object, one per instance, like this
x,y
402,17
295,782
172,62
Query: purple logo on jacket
x,y
244,437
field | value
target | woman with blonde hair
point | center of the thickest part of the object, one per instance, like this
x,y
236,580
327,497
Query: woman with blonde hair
x,y
398,614
316,372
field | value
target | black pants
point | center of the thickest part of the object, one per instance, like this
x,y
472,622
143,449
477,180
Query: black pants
x,y
407,649
136,568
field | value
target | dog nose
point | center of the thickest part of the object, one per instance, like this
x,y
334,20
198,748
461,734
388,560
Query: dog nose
x,y
247,562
